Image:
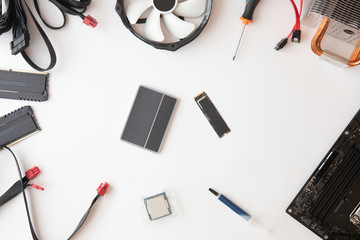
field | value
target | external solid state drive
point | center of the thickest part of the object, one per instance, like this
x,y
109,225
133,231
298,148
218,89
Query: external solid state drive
x,y
17,125
24,85
212,114
149,119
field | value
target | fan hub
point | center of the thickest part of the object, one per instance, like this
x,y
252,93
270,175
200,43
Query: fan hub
x,y
165,6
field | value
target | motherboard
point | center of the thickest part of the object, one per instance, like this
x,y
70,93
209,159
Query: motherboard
x,y
329,202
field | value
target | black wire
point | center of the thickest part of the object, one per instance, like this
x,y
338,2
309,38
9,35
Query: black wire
x,y
48,44
13,191
24,185
65,7
6,19
14,18
83,219
20,22
33,233
76,8
77,4
37,8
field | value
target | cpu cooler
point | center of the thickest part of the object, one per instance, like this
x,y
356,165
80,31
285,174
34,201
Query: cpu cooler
x,y
339,18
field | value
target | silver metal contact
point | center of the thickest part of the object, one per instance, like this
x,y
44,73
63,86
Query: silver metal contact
x,y
355,216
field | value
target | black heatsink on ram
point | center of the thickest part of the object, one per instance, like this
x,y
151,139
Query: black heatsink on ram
x,y
17,125
168,24
329,202
24,85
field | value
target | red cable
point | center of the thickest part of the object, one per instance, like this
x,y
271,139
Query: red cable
x,y
297,16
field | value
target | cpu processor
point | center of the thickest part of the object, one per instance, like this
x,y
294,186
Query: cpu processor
x,y
157,206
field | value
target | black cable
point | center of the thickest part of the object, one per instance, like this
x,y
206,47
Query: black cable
x,y
13,191
49,46
101,191
43,20
20,21
76,8
83,219
6,19
33,233
70,8
23,183
14,18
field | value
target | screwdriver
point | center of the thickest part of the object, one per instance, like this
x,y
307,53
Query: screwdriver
x,y
246,19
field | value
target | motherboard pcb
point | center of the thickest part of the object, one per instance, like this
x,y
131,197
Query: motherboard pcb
x,y
329,202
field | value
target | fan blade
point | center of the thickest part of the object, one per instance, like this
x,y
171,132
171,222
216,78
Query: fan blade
x,y
152,28
177,27
136,9
190,8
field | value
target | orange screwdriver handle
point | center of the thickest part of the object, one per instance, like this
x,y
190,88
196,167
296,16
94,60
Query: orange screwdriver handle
x,y
249,11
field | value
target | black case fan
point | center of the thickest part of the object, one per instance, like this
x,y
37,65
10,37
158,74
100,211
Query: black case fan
x,y
176,16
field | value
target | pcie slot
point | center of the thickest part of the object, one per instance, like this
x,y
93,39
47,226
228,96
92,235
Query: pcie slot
x,y
326,192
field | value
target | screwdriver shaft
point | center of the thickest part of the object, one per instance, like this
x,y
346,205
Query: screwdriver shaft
x,y
238,45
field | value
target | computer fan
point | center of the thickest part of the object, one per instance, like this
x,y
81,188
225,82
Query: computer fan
x,y
175,15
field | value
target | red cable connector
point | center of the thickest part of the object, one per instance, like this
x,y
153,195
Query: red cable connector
x,y
90,21
37,187
295,31
32,173
102,188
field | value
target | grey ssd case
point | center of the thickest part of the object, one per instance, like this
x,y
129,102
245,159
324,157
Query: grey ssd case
x,y
149,118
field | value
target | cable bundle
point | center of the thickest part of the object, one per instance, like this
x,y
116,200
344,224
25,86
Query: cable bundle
x,y
295,32
15,18
19,187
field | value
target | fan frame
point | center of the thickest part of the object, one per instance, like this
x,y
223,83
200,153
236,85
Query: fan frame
x,y
173,46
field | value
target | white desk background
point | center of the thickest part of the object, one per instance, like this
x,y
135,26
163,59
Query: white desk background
x,y
285,110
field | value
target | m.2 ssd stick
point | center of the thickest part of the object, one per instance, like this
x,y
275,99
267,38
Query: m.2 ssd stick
x,y
212,114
